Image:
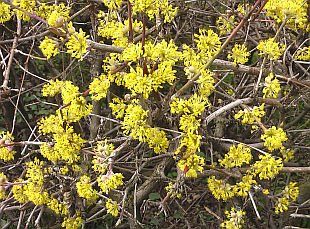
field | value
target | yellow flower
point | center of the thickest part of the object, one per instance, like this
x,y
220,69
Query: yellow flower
x,y
239,54
191,165
84,189
207,42
3,181
287,154
72,223
303,54
234,219
6,149
289,194
112,207
77,44
49,47
5,12
237,156
294,11
27,5
55,15
113,4
272,87
267,167
251,116
243,187
99,87
220,189
58,208
110,181
271,48
224,25
273,138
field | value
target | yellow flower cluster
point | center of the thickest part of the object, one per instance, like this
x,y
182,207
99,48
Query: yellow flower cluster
x,y
194,105
5,12
251,116
100,162
57,207
207,42
272,87
75,106
6,150
205,82
287,154
55,15
3,181
27,5
191,165
267,167
110,181
237,156
273,138
72,222
271,48
99,87
239,54
111,28
77,44
135,124
154,8
220,189
243,187
112,207
84,189
67,144
225,25
234,219
113,4
294,11
32,190
303,54
163,55
289,194
49,47
172,190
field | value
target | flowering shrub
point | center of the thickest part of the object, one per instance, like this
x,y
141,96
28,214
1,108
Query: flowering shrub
x,y
148,105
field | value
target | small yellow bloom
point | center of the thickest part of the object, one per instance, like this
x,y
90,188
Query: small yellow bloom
x,y
112,207
49,47
77,44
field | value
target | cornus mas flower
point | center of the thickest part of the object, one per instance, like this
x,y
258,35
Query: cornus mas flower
x,y
110,181
225,25
272,87
267,167
239,54
3,181
72,222
237,156
294,11
85,190
289,194
49,47
6,150
303,54
99,87
5,13
191,165
27,5
234,219
271,48
273,138
77,45
249,116
220,189
112,207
